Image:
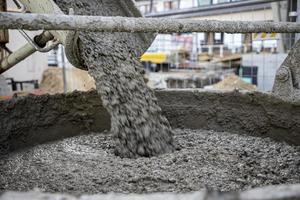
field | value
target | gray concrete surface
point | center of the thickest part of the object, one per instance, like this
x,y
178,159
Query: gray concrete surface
x,y
26,121
245,156
205,159
33,120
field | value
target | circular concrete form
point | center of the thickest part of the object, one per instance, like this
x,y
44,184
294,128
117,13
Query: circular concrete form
x,y
59,144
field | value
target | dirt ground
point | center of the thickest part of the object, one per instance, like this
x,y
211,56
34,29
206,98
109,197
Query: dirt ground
x,y
87,164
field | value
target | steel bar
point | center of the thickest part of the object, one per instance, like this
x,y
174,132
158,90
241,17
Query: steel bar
x,y
126,24
64,74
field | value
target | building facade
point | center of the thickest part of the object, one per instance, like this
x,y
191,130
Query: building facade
x,y
253,48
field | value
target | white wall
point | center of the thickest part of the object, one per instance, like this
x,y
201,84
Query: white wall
x,y
160,4
188,4
257,15
233,41
267,66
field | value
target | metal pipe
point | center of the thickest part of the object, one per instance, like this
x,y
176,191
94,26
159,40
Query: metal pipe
x,y
64,73
129,24
298,17
25,51
16,57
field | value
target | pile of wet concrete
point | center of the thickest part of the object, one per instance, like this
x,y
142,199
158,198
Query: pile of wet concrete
x,y
207,159
227,141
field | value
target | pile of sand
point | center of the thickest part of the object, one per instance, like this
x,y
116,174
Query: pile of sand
x,y
52,81
233,82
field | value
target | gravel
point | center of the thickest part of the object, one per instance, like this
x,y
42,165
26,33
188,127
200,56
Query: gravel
x,y
216,160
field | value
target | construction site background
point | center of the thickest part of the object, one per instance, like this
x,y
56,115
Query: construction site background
x,y
191,60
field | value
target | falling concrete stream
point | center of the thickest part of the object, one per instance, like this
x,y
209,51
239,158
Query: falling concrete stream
x,y
112,59
137,122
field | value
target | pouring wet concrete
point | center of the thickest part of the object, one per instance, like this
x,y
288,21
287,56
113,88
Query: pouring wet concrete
x,y
216,160
113,60
240,140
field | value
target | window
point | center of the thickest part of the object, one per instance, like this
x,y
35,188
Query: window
x,y
212,2
212,38
220,1
218,38
204,2
171,5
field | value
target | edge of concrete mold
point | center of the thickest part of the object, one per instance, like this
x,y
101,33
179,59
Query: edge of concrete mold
x,y
27,121
281,192
252,113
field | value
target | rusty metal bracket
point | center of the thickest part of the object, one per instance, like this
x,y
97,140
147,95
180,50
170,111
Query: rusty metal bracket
x,y
36,46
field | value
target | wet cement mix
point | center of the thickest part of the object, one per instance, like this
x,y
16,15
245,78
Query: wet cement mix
x,y
137,122
100,163
216,160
